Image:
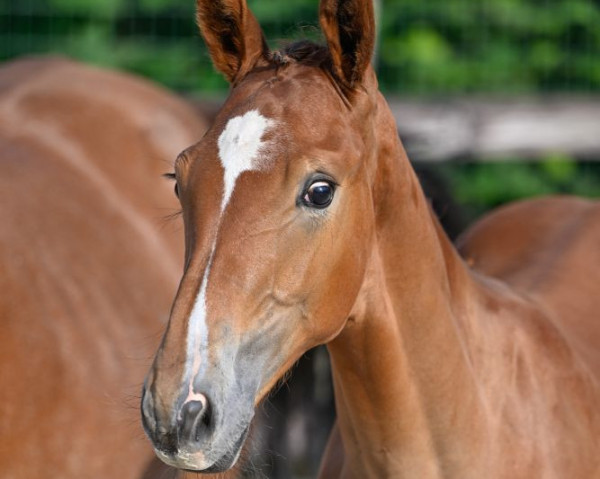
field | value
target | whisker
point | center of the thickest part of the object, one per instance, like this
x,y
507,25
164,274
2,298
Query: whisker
x,y
171,217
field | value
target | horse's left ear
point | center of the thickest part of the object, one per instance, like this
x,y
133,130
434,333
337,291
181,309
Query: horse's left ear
x,y
234,38
349,26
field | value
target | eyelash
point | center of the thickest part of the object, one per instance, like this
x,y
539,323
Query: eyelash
x,y
176,214
172,177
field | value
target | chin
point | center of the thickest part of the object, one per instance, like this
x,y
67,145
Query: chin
x,y
202,462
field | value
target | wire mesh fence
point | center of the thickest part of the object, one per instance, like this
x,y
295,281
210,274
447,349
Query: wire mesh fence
x,y
435,47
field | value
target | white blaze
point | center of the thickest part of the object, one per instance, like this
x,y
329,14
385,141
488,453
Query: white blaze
x,y
241,148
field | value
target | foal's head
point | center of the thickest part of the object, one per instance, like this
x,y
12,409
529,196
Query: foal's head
x,y
277,202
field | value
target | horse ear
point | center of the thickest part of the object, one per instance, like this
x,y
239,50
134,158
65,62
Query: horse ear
x,y
349,27
233,36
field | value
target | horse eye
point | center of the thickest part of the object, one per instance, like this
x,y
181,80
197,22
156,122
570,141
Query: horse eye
x,y
319,194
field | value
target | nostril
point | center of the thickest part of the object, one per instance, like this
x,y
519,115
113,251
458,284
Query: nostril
x,y
194,419
193,408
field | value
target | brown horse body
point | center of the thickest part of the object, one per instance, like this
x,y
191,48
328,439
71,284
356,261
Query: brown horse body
x,y
87,267
305,224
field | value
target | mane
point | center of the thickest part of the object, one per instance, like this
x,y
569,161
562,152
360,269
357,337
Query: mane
x,y
305,52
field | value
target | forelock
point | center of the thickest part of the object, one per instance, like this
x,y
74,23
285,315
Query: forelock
x,y
304,52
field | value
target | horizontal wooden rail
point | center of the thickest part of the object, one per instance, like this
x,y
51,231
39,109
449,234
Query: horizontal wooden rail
x,y
482,129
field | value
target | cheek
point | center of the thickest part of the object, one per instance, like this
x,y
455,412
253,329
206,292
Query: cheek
x,y
347,259
325,270
333,301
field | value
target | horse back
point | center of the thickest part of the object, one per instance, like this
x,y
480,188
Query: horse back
x,y
548,250
88,267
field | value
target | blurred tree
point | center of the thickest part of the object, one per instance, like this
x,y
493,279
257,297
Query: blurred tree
x,y
433,47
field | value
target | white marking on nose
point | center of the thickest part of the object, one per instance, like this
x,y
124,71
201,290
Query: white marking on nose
x,y
241,148
197,337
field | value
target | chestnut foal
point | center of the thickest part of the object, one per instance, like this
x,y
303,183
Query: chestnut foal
x,y
305,224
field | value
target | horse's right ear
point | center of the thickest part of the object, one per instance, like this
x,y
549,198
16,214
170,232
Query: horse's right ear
x,y
233,36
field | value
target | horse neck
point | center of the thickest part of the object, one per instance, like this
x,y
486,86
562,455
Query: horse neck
x,y
401,355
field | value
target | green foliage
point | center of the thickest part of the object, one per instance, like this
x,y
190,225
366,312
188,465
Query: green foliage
x,y
501,45
559,168
156,5
93,8
482,186
432,47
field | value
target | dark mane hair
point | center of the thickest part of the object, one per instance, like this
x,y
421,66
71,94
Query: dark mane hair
x,y
302,51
